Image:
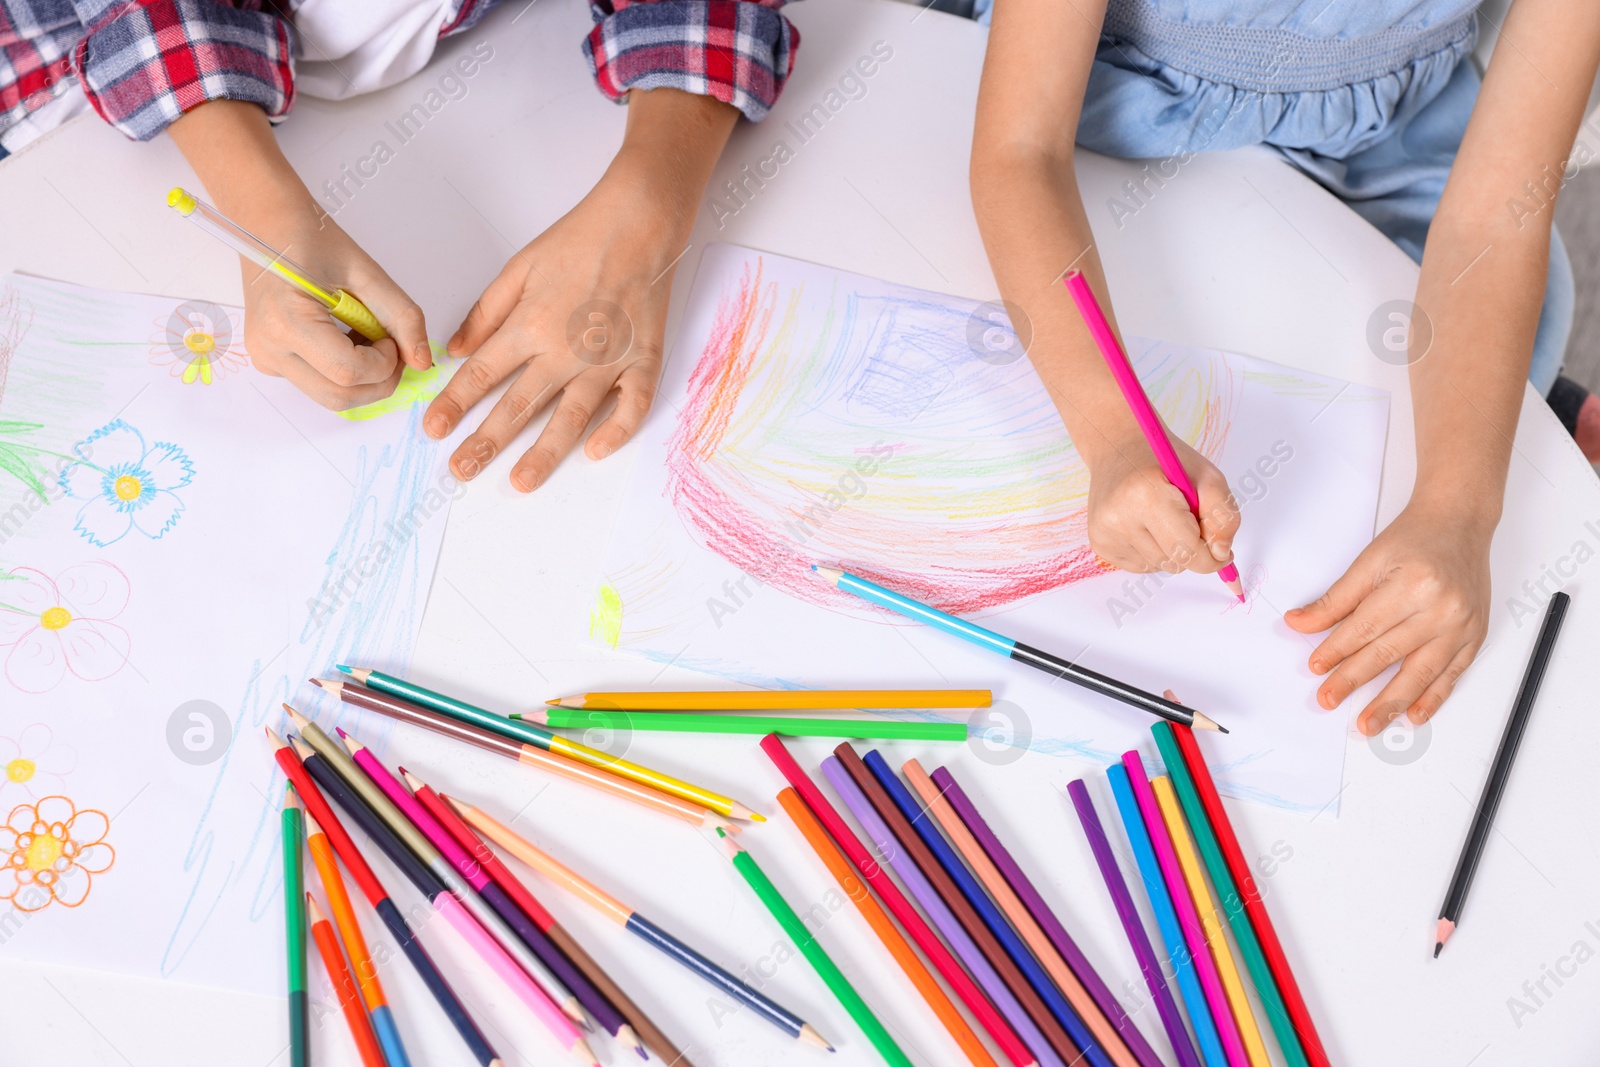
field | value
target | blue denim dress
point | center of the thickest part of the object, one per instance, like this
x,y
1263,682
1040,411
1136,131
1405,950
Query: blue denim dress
x,y
1370,98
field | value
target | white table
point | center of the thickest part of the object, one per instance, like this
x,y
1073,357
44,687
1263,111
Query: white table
x,y
1238,252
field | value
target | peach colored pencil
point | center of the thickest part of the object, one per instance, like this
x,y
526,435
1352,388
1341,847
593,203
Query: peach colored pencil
x,y
1020,917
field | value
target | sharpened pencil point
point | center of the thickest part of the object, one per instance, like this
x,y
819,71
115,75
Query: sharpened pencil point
x,y
342,667
1442,934
1438,948
316,682
272,736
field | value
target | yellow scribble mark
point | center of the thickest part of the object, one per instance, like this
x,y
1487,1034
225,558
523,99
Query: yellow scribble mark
x,y
127,487
199,367
43,851
416,387
20,769
55,618
199,342
605,618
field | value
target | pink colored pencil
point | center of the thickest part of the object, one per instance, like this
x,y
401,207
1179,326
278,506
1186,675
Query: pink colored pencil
x,y
1133,392
1188,918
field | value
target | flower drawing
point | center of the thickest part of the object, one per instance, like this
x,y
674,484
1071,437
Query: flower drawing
x,y
50,853
199,343
62,625
125,484
35,762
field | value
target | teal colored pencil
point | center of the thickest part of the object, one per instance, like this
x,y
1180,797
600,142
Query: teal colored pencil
x,y
294,914
809,947
698,723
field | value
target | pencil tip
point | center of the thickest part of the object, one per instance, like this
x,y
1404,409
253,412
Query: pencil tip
x,y
1222,730
1437,948
342,667
340,731
316,682
554,702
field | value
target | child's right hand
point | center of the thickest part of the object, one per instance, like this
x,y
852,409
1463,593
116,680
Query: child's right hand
x,y
1140,522
289,333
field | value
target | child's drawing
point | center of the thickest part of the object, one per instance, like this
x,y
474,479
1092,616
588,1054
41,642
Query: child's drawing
x,y
126,485
873,431
199,342
814,416
62,625
52,851
35,762
416,387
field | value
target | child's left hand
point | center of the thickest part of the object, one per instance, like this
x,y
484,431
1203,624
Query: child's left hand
x,y
1418,593
581,310
578,312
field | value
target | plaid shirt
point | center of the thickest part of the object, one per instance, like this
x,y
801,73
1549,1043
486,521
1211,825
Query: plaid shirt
x,y
142,63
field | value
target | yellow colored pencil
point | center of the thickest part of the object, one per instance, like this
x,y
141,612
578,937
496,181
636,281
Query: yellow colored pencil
x,y
1210,922
777,700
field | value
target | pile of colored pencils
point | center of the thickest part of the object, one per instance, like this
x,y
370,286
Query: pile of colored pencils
x,y
969,930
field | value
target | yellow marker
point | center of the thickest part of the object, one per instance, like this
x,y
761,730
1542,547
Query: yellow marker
x,y
1210,922
340,304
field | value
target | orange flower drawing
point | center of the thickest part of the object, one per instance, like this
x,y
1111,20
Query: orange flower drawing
x,y
51,852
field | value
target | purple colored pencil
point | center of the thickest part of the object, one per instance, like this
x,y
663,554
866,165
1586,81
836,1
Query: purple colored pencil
x,y
1132,925
939,912
1035,903
1183,905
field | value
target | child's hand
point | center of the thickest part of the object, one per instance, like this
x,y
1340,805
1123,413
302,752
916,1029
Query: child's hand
x,y
1418,593
576,313
290,335
1139,521
581,310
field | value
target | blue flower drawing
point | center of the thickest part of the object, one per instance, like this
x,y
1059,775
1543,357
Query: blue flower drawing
x,y
125,484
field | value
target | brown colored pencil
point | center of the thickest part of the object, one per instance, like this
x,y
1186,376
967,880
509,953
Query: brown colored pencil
x,y
958,904
396,708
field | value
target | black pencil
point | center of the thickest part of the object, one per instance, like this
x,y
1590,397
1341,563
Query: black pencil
x,y
1495,787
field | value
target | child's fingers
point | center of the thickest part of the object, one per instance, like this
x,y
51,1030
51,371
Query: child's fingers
x,y
528,394
403,320
636,392
1427,705
473,380
329,350
579,401
330,395
1374,657
1178,546
1340,600
1379,613
1219,515
490,311
1422,668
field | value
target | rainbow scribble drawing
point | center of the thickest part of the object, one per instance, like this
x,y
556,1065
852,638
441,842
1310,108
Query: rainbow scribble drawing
x,y
855,437
815,416
51,852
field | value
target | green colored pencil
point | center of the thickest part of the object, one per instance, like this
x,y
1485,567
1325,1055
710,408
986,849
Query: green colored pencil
x,y
294,914
807,943
697,723
1228,894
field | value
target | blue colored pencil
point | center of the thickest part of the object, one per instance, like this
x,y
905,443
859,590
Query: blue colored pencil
x,y
1014,649
986,909
1194,998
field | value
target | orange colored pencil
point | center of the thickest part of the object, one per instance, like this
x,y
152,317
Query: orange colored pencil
x,y
887,931
344,986
1020,916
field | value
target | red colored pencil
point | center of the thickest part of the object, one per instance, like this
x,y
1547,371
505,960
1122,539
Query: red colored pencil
x,y
1255,906
898,905
345,986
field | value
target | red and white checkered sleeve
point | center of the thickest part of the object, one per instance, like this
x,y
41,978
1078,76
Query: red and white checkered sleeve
x,y
143,63
739,51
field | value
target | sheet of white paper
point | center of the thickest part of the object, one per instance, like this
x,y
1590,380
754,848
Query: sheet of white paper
x,y
182,542
809,415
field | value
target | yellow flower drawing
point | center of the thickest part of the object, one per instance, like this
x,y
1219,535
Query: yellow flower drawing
x,y
51,851
198,342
